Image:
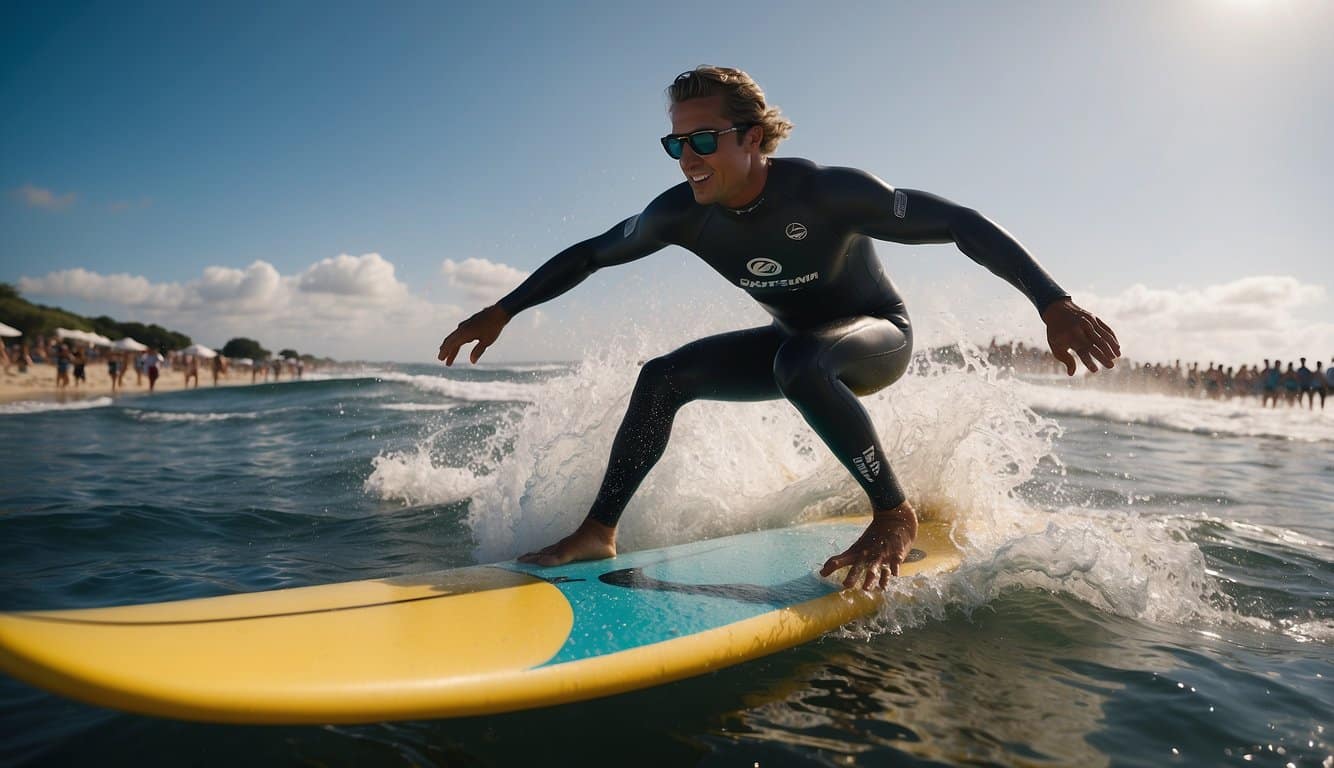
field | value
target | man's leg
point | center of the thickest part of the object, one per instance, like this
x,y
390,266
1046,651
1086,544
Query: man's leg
x,y
737,366
822,372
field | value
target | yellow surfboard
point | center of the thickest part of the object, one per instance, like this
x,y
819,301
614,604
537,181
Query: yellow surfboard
x,y
466,641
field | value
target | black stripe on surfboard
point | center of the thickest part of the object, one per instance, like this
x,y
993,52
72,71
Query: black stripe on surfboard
x,y
223,620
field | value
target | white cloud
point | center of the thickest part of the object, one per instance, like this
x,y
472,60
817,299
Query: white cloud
x,y
40,197
1238,322
348,307
252,288
368,275
128,290
482,281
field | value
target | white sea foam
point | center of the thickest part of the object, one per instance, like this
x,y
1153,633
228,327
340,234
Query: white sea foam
x,y
476,391
414,478
43,406
960,443
170,417
1243,418
418,407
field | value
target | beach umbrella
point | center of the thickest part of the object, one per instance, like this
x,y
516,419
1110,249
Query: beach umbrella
x,y
6,330
244,361
66,333
98,340
129,345
199,350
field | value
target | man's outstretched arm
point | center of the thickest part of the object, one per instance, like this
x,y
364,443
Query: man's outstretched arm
x,y
634,238
911,216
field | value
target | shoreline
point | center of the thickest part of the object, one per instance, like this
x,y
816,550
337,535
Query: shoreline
x,y
38,384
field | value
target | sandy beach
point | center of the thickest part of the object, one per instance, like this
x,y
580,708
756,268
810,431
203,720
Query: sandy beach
x,y
39,383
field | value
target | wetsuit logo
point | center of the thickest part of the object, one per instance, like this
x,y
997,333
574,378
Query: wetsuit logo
x,y
796,230
630,226
867,464
764,267
900,203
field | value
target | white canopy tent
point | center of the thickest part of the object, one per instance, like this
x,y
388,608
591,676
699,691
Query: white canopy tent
x,y
128,344
9,331
199,350
87,337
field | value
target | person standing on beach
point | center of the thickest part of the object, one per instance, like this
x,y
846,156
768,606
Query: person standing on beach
x,y
1305,385
219,365
796,237
1273,382
113,370
191,370
80,359
62,367
153,362
1292,386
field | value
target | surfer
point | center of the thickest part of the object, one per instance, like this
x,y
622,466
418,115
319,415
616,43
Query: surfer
x,y
796,236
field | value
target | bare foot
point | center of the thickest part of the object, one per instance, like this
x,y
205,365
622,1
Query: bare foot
x,y
590,541
877,553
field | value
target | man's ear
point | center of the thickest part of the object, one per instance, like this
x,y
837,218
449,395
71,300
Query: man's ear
x,y
754,137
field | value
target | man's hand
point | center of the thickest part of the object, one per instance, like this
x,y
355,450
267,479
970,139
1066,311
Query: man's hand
x,y
877,553
483,328
1070,327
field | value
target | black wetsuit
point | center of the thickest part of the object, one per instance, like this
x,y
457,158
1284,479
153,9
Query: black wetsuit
x,y
840,329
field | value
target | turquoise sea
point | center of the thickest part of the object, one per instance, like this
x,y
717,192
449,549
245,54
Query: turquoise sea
x,y
1147,583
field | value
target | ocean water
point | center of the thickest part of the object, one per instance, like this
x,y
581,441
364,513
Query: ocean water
x,y
1147,581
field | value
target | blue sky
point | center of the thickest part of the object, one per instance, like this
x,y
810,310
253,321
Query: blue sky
x,y
231,169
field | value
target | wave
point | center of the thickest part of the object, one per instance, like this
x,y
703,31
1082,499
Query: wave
x,y
193,418
45,406
418,407
473,391
1206,417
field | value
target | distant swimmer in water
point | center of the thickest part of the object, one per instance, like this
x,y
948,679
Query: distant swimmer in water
x,y
796,236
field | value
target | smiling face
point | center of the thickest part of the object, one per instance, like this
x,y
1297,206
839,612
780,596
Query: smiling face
x,y
734,175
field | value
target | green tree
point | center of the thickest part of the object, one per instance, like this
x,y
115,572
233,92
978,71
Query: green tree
x,y
243,347
288,354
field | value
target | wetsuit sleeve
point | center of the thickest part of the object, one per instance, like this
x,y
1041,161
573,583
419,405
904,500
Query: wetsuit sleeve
x,y
633,238
910,216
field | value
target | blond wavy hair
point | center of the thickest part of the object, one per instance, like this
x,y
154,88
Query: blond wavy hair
x,y
743,100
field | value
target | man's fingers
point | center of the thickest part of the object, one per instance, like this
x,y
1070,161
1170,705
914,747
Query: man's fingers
x,y
1104,355
1107,331
884,578
871,574
836,562
1088,359
1063,355
477,352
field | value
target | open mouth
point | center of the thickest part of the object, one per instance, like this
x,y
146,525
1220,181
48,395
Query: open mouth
x,y
699,178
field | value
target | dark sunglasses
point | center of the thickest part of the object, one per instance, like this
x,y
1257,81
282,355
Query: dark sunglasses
x,y
703,142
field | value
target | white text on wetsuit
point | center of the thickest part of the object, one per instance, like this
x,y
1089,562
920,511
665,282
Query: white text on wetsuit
x,y
746,282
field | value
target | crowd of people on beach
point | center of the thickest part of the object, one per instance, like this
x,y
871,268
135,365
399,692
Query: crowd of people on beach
x,y
72,362
1291,384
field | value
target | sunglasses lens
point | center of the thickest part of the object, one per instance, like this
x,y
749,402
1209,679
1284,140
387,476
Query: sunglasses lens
x,y
674,146
704,143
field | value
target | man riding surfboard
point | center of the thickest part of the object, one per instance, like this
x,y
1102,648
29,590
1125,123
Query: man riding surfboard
x,y
796,236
